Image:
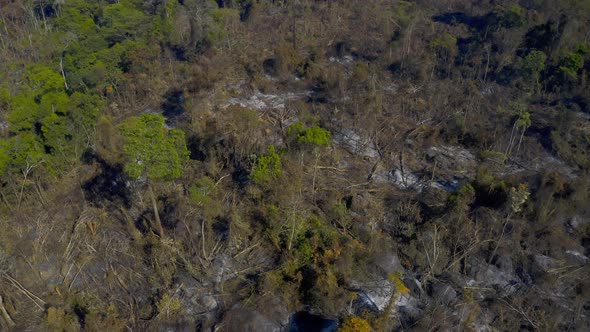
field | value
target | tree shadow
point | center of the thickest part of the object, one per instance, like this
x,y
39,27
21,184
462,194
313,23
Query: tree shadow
x,y
108,185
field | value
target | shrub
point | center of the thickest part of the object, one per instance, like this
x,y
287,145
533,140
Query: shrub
x,y
400,287
267,167
169,306
201,190
355,324
310,136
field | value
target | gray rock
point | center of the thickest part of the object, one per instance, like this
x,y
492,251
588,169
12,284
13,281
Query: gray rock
x,y
545,263
345,60
453,159
407,180
414,285
49,271
576,223
223,265
388,263
241,319
260,101
361,203
354,143
449,186
444,293
494,277
407,305
208,302
392,88
377,293
577,256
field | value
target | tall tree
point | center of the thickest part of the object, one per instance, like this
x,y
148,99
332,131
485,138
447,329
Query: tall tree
x,y
524,123
153,151
533,64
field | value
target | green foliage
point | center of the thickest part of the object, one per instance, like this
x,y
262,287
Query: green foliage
x,y
446,49
583,49
49,120
398,283
447,42
403,12
42,79
200,191
355,324
267,167
4,97
55,134
220,19
59,320
23,113
97,54
83,109
24,149
493,155
533,64
571,148
486,180
517,197
43,119
169,306
161,27
314,241
464,197
104,320
466,192
513,17
361,72
310,135
4,156
304,251
572,62
73,21
151,149
38,119
524,120
122,20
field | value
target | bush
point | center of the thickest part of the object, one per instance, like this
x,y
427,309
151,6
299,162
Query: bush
x,y
200,191
355,324
267,167
310,136
169,306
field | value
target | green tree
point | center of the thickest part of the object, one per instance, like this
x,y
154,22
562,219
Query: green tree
x,y
24,153
355,324
43,79
122,21
23,113
4,157
446,49
153,151
311,135
533,64
572,62
83,110
524,122
200,192
517,197
267,167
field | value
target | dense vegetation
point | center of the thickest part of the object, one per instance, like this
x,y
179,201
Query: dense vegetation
x,y
261,165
